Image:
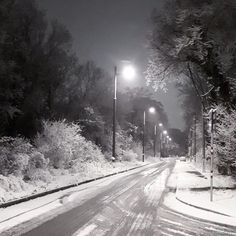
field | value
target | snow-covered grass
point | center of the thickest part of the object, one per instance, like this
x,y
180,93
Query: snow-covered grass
x,y
171,202
58,156
190,186
12,187
219,180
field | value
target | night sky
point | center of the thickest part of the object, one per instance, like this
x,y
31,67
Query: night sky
x,y
108,31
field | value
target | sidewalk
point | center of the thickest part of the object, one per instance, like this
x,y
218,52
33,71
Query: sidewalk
x,y
193,189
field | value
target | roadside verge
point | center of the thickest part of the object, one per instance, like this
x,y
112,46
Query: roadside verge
x,y
192,189
34,196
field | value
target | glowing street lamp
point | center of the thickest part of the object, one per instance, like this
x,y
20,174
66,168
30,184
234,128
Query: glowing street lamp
x,y
152,110
161,127
128,72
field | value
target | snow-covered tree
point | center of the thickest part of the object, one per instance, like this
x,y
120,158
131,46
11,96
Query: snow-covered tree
x,y
196,39
225,138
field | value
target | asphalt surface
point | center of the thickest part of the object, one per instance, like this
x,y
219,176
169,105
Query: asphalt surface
x,y
130,205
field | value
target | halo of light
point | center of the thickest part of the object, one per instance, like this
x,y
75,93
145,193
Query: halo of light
x,y
128,72
152,110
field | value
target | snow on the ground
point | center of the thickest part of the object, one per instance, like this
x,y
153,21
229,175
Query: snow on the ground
x,y
224,201
190,184
12,188
219,180
171,202
53,204
154,189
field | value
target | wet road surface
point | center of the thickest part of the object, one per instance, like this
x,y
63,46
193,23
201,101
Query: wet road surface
x,y
129,205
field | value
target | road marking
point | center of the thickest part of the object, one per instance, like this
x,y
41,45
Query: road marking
x,y
177,232
171,222
220,231
148,172
85,231
164,233
137,222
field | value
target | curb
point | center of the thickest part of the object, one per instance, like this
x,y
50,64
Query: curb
x,y
200,189
25,199
201,208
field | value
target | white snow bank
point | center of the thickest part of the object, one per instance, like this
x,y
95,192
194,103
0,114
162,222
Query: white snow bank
x,y
12,187
224,201
185,176
171,202
51,205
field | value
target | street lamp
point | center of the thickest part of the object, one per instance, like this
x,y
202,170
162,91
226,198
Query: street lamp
x,y
155,135
164,143
128,72
161,127
151,110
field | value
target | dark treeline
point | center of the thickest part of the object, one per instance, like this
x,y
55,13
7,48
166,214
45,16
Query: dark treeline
x,y
193,44
41,78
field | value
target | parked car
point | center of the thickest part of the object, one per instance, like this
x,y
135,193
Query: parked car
x,y
182,158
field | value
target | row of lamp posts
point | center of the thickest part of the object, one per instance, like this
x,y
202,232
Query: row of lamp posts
x,y
128,72
164,137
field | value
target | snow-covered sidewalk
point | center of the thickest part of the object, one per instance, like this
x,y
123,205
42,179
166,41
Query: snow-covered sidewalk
x,y
192,188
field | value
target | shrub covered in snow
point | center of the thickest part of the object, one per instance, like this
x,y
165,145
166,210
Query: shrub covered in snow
x,y
225,139
129,155
62,143
14,155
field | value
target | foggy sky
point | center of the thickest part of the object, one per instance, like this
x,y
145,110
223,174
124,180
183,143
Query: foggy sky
x,y
107,31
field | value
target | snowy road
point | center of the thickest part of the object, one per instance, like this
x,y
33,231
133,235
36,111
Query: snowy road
x,y
129,205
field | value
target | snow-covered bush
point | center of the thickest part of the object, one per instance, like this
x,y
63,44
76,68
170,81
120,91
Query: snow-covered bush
x,y
129,155
123,142
14,155
225,139
11,183
56,142
37,168
86,151
37,161
62,143
39,175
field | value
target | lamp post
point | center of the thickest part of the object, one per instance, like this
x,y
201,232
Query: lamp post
x,y
165,133
151,110
114,114
128,72
155,135
169,146
160,126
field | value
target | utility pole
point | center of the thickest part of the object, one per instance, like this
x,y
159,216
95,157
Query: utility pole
x,y
203,142
114,113
191,143
144,121
195,138
160,143
212,116
154,144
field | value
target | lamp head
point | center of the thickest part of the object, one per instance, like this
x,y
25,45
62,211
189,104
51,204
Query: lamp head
x,y
152,110
128,72
165,132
